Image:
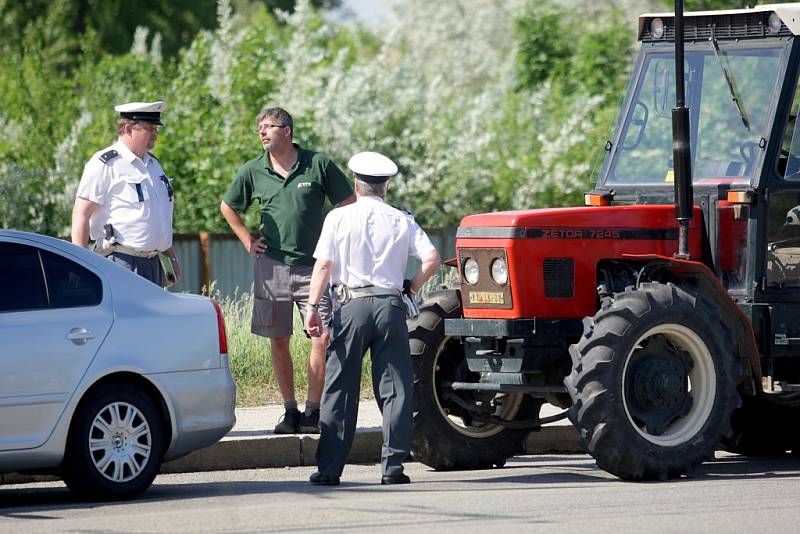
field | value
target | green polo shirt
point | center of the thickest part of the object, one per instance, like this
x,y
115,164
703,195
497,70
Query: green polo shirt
x,y
291,209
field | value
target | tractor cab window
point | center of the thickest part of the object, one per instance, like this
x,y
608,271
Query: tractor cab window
x,y
729,95
789,159
783,239
732,244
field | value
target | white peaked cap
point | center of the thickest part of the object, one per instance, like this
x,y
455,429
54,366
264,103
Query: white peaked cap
x,y
141,111
372,167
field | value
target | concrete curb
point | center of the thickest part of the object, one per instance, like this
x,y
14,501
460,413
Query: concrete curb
x,y
293,451
299,450
555,439
272,451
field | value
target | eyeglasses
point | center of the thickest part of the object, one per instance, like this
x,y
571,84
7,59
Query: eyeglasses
x,y
263,127
152,128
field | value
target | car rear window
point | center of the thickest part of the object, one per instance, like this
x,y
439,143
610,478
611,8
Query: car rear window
x,y
69,284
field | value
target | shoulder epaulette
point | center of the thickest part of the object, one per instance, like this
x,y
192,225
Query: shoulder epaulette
x,y
107,156
155,158
403,210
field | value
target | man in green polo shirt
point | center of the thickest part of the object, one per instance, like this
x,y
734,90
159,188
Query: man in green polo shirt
x,y
291,185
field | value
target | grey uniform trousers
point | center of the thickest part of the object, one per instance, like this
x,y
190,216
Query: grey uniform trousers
x,y
149,268
377,323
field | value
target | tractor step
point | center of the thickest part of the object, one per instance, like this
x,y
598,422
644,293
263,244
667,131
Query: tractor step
x,y
506,388
778,386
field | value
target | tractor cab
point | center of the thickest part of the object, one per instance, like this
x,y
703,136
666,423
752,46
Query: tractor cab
x,y
741,72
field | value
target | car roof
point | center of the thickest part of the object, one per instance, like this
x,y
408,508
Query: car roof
x,y
134,285
53,242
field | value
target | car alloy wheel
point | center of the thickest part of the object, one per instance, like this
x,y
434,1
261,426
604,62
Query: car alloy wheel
x,y
120,442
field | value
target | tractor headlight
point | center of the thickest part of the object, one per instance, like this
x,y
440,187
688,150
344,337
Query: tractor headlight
x,y
471,271
500,271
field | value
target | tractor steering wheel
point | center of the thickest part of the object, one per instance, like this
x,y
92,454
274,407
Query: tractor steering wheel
x,y
748,152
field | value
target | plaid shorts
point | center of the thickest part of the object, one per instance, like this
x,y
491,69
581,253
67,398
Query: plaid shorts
x,y
277,290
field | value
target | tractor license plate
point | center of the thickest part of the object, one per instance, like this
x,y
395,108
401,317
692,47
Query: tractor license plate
x,y
485,297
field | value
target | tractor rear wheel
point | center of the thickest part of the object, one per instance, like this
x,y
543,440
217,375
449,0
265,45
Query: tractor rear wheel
x,y
446,435
653,382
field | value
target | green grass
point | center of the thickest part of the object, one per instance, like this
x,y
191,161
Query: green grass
x,y
250,355
251,360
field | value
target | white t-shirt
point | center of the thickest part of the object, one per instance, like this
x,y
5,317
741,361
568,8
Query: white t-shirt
x,y
134,197
369,243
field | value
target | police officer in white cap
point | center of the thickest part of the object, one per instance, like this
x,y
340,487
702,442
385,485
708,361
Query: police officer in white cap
x,y
125,199
362,252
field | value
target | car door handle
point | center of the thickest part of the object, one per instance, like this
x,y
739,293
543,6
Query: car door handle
x,y
80,336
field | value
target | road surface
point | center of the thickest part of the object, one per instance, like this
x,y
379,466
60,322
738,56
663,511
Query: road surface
x,y
532,493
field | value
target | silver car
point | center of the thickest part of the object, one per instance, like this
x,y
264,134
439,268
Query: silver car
x,y
103,375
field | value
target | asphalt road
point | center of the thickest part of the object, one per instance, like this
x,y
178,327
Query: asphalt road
x,y
532,493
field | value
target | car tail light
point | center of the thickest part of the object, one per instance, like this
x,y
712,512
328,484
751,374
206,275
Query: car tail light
x,y
223,337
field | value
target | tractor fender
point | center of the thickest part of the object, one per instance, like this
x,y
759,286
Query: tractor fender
x,y
730,312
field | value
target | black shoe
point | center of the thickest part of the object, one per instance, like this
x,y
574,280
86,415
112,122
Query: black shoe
x,y
323,480
291,420
309,424
395,479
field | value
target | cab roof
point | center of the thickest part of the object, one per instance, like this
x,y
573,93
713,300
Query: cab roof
x,y
788,13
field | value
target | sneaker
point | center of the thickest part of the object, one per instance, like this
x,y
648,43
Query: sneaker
x,y
309,424
289,424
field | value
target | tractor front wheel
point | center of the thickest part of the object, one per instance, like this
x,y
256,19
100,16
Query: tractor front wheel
x,y
653,383
447,435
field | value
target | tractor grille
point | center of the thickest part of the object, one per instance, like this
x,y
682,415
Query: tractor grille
x,y
486,293
559,277
738,26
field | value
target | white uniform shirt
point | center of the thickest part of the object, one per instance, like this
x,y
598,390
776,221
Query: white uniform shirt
x,y
133,195
369,243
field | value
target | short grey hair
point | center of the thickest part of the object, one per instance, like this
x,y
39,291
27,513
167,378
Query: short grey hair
x,y
366,188
122,123
280,115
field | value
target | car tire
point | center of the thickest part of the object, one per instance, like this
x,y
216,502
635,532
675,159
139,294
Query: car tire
x,y
115,444
653,383
444,436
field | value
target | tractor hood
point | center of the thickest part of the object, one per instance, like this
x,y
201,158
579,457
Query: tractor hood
x,y
638,216
552,255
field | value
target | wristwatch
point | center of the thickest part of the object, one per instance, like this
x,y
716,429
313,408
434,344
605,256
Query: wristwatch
x,y
314,307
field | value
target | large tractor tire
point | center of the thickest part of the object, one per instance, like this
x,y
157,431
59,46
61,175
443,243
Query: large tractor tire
x,y
765,425
653,383
446,436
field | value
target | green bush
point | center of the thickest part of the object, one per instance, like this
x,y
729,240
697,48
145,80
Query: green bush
x,y
514,118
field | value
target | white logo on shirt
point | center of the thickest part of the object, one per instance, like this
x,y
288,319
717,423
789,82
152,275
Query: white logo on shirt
x,y
303,184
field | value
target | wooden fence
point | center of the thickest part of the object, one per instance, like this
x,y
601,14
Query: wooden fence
x,y
219,259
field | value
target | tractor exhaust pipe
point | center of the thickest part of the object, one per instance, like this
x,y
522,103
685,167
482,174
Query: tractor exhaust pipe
x,y
681,147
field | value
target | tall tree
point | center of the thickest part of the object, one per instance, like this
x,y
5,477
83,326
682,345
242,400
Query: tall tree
x,y
115,21
288,5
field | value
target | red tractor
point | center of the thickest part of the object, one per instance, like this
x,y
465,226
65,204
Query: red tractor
x,y
662,338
